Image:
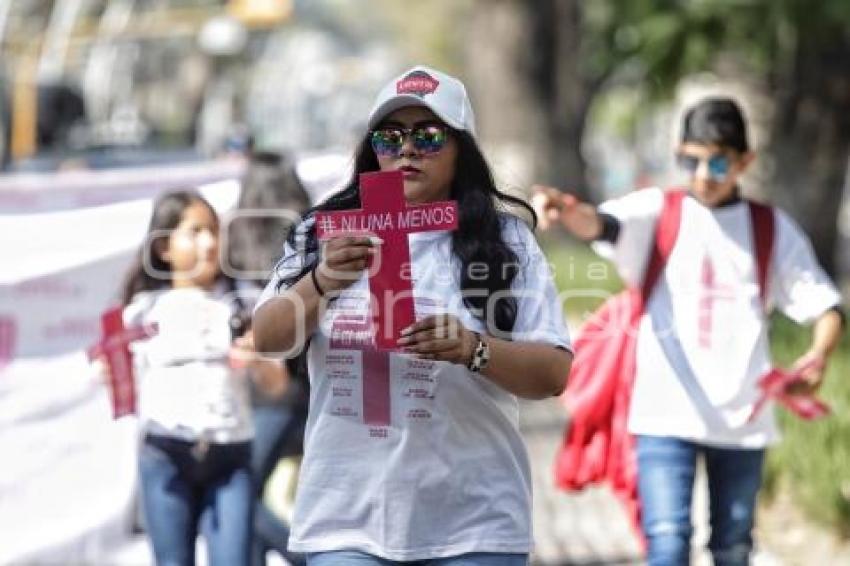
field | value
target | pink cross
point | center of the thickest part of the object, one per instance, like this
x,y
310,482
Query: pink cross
x,y
352,332
386,214
114,347
774,386
8,339
711,292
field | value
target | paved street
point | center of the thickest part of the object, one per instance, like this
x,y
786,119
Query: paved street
x,y
590,528
587,528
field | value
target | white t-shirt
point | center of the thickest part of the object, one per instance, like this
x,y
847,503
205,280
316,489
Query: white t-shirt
x,y
703,342
449,475
187,388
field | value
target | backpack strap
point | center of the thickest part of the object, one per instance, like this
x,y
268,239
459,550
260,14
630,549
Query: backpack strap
x,y
764,232
666,232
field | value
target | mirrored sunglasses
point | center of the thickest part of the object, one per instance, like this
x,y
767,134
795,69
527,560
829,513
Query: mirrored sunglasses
x,y
388,140
718,165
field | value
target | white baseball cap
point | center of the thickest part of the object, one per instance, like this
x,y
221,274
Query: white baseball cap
x,y
444,95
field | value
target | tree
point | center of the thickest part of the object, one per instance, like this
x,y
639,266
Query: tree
x,y
811,132
799,49
522,61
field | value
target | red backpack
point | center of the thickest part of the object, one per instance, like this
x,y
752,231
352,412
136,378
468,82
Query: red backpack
x,y
597,446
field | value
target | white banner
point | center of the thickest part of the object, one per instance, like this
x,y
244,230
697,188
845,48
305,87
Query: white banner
x,y
67,484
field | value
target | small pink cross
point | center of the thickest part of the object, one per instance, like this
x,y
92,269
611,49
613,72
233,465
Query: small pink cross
x,y
8,339
114,347
774,386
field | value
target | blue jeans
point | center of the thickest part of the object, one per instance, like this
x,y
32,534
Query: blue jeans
x,y
355,558
278,432
666,468
184,492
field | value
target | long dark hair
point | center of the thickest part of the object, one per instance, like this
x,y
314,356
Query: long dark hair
x,y
478,238
149,271
253,243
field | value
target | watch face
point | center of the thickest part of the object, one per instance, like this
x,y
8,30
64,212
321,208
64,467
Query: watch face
x,y
485,354
480,357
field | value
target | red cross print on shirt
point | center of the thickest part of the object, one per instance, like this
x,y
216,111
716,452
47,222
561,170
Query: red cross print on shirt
x,y
114,347
355,332
386,214
710,293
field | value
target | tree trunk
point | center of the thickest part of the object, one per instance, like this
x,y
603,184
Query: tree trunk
x,y
529,87
811,145
564,91
510,119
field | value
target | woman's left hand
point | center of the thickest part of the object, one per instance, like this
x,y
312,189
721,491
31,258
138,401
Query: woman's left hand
x,y
439,337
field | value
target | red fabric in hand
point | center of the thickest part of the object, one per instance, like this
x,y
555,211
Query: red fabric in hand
x,y
774,386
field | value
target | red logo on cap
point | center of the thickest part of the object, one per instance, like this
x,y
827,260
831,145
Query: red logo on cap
x,y
419,83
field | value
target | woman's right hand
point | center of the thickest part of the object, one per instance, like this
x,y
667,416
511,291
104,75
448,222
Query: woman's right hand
x,y
580,218
283,326
344,258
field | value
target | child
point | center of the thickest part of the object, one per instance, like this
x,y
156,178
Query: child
x,y
446,480
195,461
702,343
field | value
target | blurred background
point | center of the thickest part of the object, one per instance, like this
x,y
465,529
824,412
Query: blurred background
x,y
106,103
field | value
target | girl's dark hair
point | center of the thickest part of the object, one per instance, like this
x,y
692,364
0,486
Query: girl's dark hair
x,y
149,271
478,238
717,121
270,184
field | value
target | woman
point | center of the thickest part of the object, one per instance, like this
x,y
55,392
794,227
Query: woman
x,y
447,479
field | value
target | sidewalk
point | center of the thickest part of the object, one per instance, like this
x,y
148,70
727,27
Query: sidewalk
x,y
590,528
587,528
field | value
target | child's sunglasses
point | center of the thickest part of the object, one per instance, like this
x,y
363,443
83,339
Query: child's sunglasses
x,y
387,141
718,165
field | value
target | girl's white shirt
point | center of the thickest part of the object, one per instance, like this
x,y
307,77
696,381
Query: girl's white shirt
x,y
187,388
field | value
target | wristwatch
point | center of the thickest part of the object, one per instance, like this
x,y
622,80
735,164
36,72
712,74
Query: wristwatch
x,y
480,355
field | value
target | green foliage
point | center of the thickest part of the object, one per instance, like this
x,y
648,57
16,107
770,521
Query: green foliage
x,y
814,457
618,110
668,39
584,279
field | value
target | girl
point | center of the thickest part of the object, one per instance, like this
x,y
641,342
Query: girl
x,y
446,477
194,405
